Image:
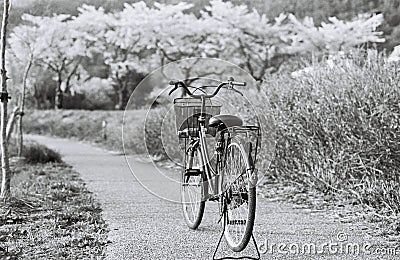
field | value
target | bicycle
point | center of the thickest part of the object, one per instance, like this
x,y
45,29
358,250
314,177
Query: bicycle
x,y
231,177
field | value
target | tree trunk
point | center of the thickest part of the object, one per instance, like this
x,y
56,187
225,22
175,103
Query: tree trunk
x,y
5,167
20,136
120,103
11,122
58,101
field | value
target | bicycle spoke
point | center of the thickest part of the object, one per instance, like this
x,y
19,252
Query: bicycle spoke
x,y
193,198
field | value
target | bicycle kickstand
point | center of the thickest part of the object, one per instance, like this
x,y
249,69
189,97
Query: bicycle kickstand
x,y
234,257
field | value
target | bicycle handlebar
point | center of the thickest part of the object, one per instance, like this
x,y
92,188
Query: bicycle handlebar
x,y
230,84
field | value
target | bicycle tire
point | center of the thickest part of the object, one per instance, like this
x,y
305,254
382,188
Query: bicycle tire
x,y
193,207
237,198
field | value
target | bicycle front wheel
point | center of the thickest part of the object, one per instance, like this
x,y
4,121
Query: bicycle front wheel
x,y
239,197
192,190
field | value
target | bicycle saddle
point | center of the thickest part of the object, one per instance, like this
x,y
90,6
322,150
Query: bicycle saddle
x,y
224,121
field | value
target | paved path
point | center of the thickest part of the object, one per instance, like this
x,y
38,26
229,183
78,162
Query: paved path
x,y
144,226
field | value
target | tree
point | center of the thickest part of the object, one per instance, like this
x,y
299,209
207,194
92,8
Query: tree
x,y
5,167
334,36
245,37
62,49
24,50
140,38
187,40
131,44
250,40
120,46
130,40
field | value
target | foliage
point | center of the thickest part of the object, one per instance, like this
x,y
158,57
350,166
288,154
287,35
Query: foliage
x,y
336,35
97,93
36,153
258,45
338,128
321,11
140,38
59,48
395,55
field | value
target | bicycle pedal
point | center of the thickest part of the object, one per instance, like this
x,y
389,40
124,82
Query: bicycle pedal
x,y
192,172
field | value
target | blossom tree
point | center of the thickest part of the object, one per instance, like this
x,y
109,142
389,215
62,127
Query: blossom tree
x,y
250,40
334,36
182,35
120,39
149,37
23,51
61,49
246,38
139,38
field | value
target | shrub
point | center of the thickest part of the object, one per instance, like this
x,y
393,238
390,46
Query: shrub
x,y
160,133
96,94
36,153
338,128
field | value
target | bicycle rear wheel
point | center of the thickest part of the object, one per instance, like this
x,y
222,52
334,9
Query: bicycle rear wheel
x,y
239,197
192,190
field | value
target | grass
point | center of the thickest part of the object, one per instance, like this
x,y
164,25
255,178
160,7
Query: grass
x,y
84,125
51,215
338,130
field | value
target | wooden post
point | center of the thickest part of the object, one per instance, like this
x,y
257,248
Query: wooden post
x,y
104,129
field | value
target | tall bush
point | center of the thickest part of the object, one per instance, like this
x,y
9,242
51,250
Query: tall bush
x,y
338,127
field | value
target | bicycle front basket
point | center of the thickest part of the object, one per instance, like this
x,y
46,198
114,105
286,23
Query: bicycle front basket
x,y
187,111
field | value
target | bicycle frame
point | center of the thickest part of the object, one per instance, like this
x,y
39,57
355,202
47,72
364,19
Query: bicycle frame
x,y
213,179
